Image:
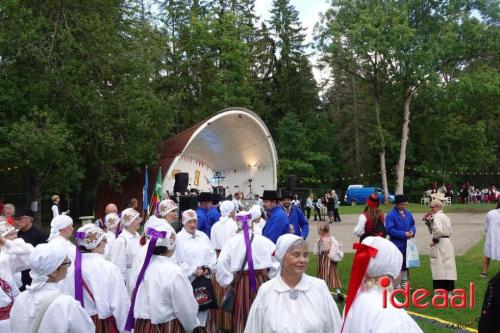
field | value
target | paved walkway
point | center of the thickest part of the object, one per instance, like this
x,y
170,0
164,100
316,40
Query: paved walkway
x,y
468,229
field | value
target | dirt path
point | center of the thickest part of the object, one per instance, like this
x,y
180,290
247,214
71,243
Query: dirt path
x,y
468,229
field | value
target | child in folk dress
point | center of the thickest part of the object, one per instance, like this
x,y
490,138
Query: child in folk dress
x,y
329,252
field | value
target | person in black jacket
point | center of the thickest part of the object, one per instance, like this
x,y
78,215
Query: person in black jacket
x,y
489,321
23,221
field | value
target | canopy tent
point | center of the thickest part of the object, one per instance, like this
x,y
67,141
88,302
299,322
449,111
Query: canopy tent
x,y
227,149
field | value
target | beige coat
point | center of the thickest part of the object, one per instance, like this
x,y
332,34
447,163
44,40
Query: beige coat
x,y
442,254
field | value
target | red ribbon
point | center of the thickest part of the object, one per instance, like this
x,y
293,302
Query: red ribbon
x,y
359,266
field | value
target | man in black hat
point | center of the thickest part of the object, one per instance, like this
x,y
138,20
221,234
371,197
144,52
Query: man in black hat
x,y
295,216
400,226
214,212
277,221
23,221
204,205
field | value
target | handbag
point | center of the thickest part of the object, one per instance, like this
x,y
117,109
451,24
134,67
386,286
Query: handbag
x,y
204,294
230,297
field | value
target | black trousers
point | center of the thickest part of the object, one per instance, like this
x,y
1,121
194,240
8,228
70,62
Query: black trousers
x,y
308,212
317,212
336,215
447,285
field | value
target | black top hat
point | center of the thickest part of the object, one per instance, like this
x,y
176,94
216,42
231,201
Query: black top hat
x,y
215,198
205,196
23,212
286,194
400,198
270,195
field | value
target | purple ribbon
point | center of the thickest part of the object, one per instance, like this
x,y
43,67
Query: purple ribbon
x,y
79,235
151,246
248,245
118,230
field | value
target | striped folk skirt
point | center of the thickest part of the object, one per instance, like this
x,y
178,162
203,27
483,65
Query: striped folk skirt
x,y
223,319
145,326
328,271
244,298
107,325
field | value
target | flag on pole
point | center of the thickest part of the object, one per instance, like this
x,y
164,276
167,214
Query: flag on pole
x,y
145,201
157,190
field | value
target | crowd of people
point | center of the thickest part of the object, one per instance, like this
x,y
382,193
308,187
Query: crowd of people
x,y
230,268
467,193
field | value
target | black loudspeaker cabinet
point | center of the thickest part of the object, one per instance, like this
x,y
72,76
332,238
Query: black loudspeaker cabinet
x,y
181,182
220,191
291,182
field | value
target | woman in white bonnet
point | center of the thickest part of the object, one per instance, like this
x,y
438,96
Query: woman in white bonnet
x,y
256,252
42,307
127,244
258,222
164,297
102,291
293,302
111,221
195,255
61,230
377,262
14,258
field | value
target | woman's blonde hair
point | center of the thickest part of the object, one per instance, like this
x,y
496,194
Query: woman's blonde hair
x,y
323,228
437,202
55,197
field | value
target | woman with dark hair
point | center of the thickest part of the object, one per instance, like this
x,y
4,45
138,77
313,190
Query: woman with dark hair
x,y
371,222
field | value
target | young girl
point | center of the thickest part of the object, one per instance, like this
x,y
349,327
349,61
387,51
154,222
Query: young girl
x,y
330,253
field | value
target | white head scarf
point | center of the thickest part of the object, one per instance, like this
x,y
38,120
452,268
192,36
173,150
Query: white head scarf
x,y
388,260
59,222
284,243
6,229
111,221
128,216
166,206
93,236
188,215
256,212
44,260
226,208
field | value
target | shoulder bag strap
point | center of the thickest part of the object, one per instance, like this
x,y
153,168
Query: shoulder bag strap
x,y
46,303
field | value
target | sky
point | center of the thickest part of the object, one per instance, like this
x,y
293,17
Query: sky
x,y
309,11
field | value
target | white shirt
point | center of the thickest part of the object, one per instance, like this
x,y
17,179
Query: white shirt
x,y
63,315
233,253
124,249
193,251
258,227
492,228
222,231
314,310
106,285
110,241
14,257
55,211
165,294
367,315
359,229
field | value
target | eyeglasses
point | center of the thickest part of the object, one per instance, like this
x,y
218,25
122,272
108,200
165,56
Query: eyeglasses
x,y
67,262
434,206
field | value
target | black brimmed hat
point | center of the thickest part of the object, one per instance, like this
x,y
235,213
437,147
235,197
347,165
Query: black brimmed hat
x,y
400,198
270,195
205,196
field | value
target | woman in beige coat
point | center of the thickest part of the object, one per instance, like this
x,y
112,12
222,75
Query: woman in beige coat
x,y
444,271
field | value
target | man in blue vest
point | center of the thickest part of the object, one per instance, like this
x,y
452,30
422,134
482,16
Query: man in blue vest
x,y
400,226
296,217
214,212
204,205
277,222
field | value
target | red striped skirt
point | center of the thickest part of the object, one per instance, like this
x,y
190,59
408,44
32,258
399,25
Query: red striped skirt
x,y
328,271
107,325
145,326
244,298
223,319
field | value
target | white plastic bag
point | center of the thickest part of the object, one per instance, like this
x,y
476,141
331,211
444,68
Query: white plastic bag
x,y
412,257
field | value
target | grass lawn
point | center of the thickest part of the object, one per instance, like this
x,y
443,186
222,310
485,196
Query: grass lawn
x,y
468,268
417,208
